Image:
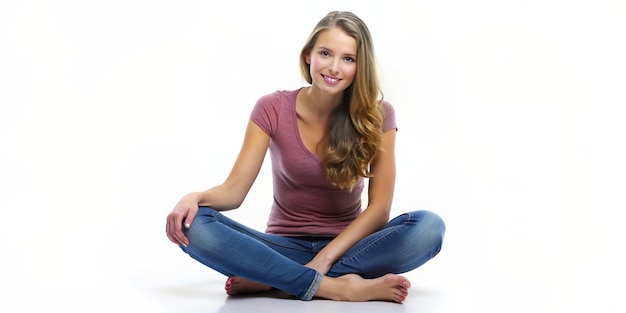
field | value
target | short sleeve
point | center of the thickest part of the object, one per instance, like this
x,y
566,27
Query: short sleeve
x,y
265,113
389,118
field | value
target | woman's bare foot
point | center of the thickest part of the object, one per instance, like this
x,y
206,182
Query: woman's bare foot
x,y
355,288
237,286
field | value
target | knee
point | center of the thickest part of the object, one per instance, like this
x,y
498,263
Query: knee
x,y
200,232
432,230
432,221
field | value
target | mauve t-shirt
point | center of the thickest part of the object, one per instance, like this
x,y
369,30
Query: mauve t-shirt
x,y
305,202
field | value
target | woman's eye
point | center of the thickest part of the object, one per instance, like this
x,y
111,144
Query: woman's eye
x,y
325,53
349,59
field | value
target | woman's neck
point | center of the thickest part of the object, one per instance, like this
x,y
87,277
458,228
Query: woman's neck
x,y
319,103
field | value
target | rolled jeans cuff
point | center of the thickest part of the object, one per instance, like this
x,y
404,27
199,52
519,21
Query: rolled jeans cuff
x,y
317,280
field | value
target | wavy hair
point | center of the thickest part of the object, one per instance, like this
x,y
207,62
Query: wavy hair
x,y
354,133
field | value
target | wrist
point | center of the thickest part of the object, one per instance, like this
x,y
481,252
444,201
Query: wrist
x,y
323,257
193,197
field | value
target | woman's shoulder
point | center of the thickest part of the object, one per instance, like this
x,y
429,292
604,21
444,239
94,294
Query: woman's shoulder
x,y
388,108
272,108
279,96
389,116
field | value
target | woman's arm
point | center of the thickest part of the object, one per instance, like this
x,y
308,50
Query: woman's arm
x,y
228,195
375,216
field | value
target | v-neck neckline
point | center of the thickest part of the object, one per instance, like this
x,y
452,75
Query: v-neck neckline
x,y
297,127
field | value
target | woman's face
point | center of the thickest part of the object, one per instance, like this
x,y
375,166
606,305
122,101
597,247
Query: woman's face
x,y
333,60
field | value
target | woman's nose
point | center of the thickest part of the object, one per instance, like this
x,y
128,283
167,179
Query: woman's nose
x,y
334,66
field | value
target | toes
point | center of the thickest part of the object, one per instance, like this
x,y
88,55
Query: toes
x,y
229,286
403,282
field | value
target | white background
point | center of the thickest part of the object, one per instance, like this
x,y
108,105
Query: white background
x,y
510,117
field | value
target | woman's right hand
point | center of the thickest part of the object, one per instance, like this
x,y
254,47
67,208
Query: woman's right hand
x,y
184,212
227,196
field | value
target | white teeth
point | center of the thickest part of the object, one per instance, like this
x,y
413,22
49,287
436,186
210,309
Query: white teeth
x,y
331,80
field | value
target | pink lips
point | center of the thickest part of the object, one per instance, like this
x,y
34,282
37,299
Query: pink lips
x,y
331,80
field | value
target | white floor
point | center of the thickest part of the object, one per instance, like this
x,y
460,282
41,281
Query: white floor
x,y
158,277
151,292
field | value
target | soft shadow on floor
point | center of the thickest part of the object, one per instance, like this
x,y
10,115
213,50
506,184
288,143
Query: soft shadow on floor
x,y
271,305
209,296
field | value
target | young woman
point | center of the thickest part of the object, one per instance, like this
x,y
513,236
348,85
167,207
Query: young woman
x,y
324,140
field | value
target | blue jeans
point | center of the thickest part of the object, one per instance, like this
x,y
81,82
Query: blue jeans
x,y
405,243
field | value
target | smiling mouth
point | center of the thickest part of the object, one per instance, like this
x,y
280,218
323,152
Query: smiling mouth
x,y
331,80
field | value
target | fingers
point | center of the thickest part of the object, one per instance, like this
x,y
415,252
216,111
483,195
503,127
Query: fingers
x,y
178,232
189,219
174,229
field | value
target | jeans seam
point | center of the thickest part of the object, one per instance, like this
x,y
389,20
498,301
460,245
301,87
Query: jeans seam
x,y
219,216
357,253
391,231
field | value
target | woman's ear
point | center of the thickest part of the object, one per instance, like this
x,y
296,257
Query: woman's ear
x,y
307,56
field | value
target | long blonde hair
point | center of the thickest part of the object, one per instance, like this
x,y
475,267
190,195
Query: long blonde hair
x,y
355,127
